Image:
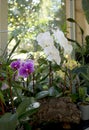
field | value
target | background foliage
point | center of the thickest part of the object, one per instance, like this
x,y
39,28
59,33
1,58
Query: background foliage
x,y
28,18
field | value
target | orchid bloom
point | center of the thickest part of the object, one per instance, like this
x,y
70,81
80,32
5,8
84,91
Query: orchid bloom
x,y
24,68
62,40
15,64
52,54
68,49
45,39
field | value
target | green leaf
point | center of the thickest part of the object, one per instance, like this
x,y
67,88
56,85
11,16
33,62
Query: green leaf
x,y
8,121
53,91
26,109
4,54
2,97
72,20
44,77
27,113
74,42
23,51
24,105
82,92
27,126
14,48
87,99
85,6
85,76
42,94
81,69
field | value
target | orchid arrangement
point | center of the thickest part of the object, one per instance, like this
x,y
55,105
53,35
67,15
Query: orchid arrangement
x,y
47,42
20,73
15,104
16,73
58,51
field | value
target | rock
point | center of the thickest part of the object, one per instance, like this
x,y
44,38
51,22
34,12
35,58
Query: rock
x,y
57,110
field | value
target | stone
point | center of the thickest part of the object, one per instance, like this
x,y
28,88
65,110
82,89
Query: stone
x,y
60,109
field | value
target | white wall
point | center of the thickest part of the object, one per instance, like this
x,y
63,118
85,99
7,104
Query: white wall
x,y
75,11
3,24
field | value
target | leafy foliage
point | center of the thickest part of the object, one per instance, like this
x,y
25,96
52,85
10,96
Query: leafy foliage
x,y
8,121
27,18
81,49
85,5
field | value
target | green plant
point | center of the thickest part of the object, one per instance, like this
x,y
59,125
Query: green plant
x,y
17,102
20,117
81,49
85,5
82,56
54,54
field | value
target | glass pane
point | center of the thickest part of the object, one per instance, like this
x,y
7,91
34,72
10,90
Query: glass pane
x,y
28,18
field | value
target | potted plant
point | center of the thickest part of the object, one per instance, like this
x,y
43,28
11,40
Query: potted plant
x,y
82,71
17,102
84,103
54,47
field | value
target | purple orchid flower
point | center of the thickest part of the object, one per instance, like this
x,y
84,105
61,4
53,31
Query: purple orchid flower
x,y
15,64
26,68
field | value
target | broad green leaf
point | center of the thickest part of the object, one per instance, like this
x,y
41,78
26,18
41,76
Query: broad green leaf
x,y
42,94
53,91
27,113
27,126
85,76
8,121
81,69
24,105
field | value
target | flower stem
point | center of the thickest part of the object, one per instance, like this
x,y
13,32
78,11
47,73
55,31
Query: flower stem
x,y
70,77
2,107
50,75
11,95
33,83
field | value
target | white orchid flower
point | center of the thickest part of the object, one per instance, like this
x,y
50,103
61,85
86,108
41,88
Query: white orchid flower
x,y
45,39
62,40
68,49
52,54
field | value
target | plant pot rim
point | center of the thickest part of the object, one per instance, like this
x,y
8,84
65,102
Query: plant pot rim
x,y
83,103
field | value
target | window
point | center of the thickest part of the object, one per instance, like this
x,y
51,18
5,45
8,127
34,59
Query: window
x,y
27,18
